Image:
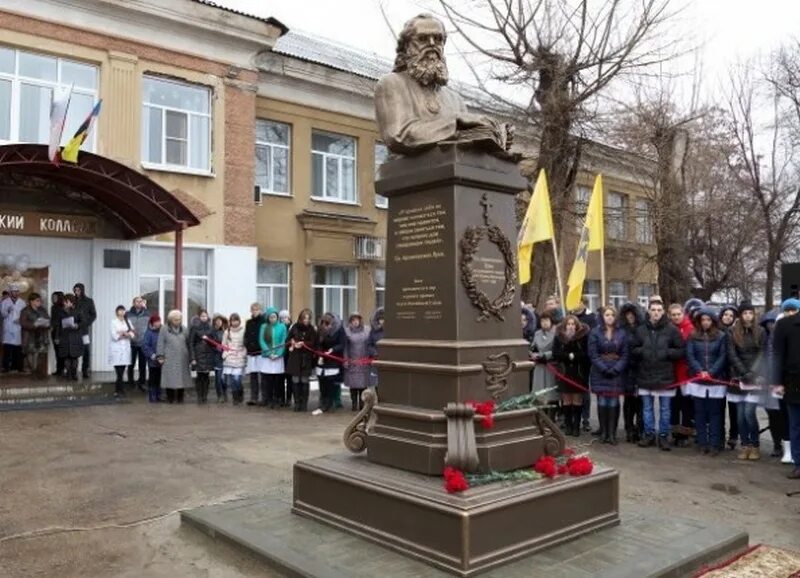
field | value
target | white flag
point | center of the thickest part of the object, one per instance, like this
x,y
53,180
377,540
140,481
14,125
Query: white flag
x,y
58,117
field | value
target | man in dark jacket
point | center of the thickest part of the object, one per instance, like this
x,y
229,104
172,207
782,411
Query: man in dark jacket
x,y
84,308
657,346
252,329
786,352
139,317
590,320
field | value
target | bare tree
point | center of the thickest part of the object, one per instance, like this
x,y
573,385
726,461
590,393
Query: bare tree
x,y
559,57
765,121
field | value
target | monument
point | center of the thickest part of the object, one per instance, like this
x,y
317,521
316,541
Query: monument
x,y
452,336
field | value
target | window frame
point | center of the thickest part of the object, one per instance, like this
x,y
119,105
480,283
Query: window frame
x,y
171,167
581,206
594,298
617,217
641,298
15,99
288,147
339,158
339,287
617,300
163,278
379,289
645,233
271,287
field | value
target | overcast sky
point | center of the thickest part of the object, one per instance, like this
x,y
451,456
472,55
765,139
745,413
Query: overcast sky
x,y
727,31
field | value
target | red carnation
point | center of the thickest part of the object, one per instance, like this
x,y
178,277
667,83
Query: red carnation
x,y
546,465
581,466
484,409
454,481
562,469
568,452
488,421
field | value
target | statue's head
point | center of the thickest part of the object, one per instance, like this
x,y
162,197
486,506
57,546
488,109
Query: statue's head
x,y
420,51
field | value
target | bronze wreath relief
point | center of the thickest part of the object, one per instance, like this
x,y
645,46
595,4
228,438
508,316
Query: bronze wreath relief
x,y
470,241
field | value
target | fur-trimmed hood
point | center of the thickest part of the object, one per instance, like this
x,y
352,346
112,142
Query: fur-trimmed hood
x,y
581,332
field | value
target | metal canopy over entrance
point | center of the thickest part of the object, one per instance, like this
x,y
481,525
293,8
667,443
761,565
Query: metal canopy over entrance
x,y
142,206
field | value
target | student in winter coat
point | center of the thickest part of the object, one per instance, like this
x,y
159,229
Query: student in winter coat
x,y
173,354
356,372
683,405
571,351
631,317
271,341
707,355
330,340
218,326
150,350
10,309
119,349
786,351
774,406
529,323
375,335
70,344
234,357
608,352
84,305
139,318
541,353
56,313
35,323
728,314
201,354
745,350
657,346
300,361
252,329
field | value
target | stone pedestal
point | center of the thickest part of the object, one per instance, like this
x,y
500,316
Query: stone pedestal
x,y
452,336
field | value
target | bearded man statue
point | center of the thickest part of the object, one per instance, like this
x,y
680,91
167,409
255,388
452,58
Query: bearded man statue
x,y
414,107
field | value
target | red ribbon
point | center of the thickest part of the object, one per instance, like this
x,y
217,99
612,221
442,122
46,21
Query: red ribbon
x,y
301,344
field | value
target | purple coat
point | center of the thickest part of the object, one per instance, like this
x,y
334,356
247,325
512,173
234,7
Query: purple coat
x,y
609,360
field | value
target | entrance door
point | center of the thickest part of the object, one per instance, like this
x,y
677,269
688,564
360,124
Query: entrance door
x,y
29,280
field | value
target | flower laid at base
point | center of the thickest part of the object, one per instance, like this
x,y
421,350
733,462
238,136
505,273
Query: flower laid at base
x,y
487,409
568,463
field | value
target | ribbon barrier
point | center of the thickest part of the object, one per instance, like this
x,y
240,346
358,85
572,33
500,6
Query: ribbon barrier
x,y
301,345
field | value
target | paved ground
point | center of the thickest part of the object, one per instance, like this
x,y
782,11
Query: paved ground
x,y
78,478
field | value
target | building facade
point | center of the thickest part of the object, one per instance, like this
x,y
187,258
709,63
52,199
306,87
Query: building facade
x,y
253,145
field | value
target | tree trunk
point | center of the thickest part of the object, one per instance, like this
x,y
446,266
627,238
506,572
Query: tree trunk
x,y
769,285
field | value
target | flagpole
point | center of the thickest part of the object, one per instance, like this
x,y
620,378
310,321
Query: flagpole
x,y
603,276
558,275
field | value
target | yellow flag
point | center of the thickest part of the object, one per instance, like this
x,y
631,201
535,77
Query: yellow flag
x,y
537,226
592,239
594,217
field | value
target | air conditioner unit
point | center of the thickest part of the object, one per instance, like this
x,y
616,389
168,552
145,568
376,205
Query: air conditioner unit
x,y
370,248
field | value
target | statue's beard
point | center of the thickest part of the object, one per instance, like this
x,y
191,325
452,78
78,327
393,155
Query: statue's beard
x,y
428,68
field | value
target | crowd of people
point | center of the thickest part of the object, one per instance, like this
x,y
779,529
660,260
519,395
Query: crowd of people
x,y
674,373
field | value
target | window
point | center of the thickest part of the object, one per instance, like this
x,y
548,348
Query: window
x,y
643,293
273,145
157,280
27,82
618,294
381,154
333,167
334,290
582,196
380,287
617,216
176,125
272,284
591,290
644,222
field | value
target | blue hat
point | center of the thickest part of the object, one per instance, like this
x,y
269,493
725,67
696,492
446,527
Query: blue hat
x,y
705,310
729,307
791,304
693,303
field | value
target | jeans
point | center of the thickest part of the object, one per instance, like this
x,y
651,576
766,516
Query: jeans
x,y
154,384
607,401
748,423
708,421
219,384
586,408
794,431
235,383
648,409
137,355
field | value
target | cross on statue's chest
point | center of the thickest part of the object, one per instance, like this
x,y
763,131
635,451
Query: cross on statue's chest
x,y
484,202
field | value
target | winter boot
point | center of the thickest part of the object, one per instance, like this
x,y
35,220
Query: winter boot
x,y
787,453
354,397
602,417
613,422
575,411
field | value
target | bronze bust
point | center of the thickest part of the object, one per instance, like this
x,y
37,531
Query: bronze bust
x,y
414,107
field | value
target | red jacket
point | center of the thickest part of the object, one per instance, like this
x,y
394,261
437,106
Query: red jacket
x,y
681,366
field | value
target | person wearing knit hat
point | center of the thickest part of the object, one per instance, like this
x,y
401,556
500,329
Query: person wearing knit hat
x,y
707,355
149,347
745,351
727,317
786,352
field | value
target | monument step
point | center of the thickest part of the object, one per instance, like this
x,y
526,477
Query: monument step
x,y
644,545
55,394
